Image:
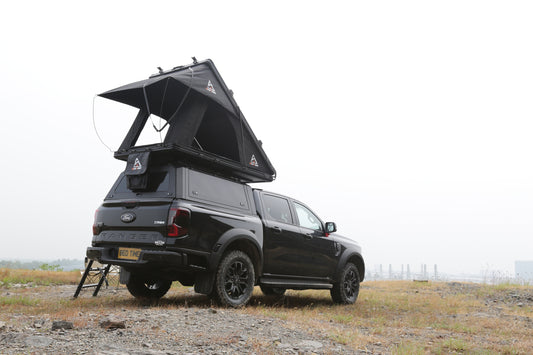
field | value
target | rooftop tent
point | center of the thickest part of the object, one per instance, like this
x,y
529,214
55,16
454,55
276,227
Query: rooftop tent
x,y
206,128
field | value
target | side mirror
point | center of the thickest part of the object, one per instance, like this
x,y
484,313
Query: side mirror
x,y
331,227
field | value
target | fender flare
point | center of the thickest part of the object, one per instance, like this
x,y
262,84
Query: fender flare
x,y
351,255
205,280
228,238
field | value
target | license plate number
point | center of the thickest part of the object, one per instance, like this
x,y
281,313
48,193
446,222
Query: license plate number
x,y
129,253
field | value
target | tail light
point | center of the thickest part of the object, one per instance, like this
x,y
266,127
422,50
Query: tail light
x,y
178,222
97,227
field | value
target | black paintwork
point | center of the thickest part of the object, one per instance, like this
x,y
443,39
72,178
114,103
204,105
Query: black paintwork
x,y
284,254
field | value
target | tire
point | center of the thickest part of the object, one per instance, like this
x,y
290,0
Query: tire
x,y
346,290
235,279
151,289
272,291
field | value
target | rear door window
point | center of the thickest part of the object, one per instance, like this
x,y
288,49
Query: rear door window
x,y
277,209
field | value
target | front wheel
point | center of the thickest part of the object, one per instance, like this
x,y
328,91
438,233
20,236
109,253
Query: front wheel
x,y
235,279
346,290
147,288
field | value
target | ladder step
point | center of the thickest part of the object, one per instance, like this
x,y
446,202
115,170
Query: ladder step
x,y
102,274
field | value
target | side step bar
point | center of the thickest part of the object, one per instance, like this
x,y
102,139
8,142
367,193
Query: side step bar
x,y
295,284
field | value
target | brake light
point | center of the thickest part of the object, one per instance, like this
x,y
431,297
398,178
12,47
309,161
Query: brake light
x,y
178,222
96,226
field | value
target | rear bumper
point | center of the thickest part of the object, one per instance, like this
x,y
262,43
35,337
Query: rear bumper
x,y
147,258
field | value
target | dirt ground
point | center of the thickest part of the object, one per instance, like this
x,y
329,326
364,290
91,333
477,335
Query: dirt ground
x,y
187,323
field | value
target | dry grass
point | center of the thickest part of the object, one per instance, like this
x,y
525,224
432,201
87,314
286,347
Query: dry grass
x,y
396,317
411,318
9,277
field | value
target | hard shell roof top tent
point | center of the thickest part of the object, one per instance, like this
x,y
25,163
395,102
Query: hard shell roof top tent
x,y
206,128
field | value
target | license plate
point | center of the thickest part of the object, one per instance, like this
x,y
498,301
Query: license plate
x,y
129,253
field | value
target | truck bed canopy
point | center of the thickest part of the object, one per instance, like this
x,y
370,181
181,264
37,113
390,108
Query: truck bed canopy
x,y
206,128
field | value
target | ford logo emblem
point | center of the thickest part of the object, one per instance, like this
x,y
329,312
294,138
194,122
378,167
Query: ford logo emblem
x,y
128,217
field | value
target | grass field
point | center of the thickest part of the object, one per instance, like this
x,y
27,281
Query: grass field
x,y
10,277
397,317
418,318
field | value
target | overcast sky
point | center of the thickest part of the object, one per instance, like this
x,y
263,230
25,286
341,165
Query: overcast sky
x,y
408,123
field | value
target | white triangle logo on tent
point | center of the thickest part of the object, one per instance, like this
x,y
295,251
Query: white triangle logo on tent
x,y
253,161
210,87
137,165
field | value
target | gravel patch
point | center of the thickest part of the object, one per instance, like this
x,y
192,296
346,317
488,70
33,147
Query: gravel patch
x,y
157,330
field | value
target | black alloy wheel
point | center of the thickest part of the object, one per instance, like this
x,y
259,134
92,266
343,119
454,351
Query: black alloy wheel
x,y
346,290
235,279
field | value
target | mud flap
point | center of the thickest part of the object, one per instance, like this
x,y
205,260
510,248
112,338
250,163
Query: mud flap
x,y
204,282
124,276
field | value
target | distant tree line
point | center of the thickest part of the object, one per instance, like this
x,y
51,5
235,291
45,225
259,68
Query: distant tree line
x,y
54,265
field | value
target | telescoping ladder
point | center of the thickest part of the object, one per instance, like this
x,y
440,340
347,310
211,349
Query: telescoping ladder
x,y
101,272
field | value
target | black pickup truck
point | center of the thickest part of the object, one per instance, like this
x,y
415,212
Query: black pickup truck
x,y
183,210
221,236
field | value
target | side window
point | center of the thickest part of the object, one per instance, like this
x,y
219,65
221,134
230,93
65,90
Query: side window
x,y
277,209
306,218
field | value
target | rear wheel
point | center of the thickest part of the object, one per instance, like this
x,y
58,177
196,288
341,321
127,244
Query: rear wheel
x,y
346,290
235,279
272,291
147,288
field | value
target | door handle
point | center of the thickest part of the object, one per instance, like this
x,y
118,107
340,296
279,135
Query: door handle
x,y
308,236
277,230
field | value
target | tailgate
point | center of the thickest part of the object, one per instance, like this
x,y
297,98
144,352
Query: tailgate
x,y
132,222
